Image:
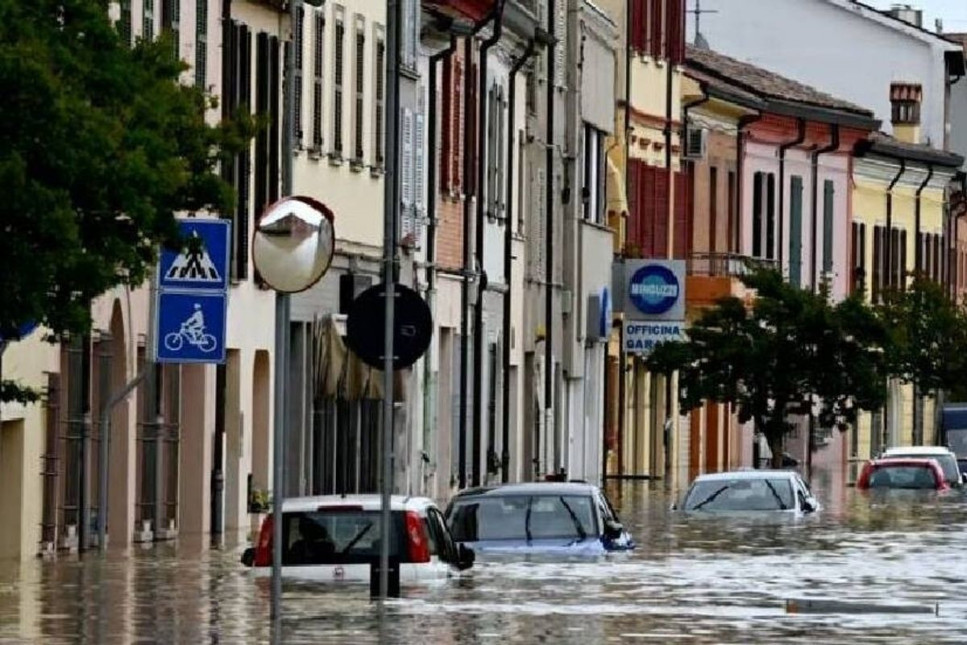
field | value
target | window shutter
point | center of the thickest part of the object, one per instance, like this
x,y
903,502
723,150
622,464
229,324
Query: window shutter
x,y
446,124
317,88
360,70
456,176
298,41
147,22
201,42
490,205
757,215
901,274
501,118
560,51
419,164
275,114
170,19
770,204
124,22
406,161
657,17
877,261
829,191
795,231
379,117
337,97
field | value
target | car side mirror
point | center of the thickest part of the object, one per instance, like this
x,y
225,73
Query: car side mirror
x,y
673,507
613,530
807,505
248,557
465,557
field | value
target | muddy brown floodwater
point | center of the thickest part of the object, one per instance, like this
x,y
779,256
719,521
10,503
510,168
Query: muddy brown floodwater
x,y
691,580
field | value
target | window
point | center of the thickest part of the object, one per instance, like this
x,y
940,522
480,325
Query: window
x,y
298,41
858,257
170,17
878,262
757,214
732,225
795,230
595,201
379,100
456,129
770,207
658,28
318,44
828,195
337,83
359,74
713,208
201,43
906,112
124,22
147,28
410,33
236,93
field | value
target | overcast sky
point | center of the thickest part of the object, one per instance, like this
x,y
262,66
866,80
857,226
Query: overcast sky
x,y
952,12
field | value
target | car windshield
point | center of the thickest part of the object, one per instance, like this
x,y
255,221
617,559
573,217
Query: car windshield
x,y
948,463
957,440
745,494
334,536
915,477
522,517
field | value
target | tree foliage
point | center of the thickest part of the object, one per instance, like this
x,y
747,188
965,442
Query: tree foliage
x,y
100,146
927,337
792,352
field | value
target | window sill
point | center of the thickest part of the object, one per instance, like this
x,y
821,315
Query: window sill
x,y
335,159
376,172
356,165
316,153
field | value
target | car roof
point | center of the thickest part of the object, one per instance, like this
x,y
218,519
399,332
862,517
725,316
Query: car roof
x,y
747,474
905,461
530,488
367,502
936,451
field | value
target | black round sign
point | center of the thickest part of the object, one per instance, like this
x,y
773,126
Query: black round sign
x,y
412,322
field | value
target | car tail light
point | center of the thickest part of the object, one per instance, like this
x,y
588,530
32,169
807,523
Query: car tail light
x,y
263,548
418,547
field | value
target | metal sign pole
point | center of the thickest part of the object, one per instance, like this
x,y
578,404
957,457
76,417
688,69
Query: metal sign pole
x,y
282,329
391,180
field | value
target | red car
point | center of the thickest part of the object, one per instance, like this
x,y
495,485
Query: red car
x,y
902,473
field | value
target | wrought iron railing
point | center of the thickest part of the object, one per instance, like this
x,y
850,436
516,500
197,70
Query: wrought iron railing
x,y
725,264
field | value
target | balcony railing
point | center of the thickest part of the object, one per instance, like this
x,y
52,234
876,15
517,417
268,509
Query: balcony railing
x,y
716,265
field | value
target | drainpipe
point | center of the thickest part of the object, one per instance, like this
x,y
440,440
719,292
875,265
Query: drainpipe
x,y
508,260
832,147
478,189
670,250
549,418
468,269
429,380
918,259
889,273
736,235
800,137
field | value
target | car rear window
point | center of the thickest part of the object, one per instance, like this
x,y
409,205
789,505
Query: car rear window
x,y
522,517
914,477
948,463
337,536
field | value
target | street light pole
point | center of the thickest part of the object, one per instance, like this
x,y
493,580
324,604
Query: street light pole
x,y
390,207
282,311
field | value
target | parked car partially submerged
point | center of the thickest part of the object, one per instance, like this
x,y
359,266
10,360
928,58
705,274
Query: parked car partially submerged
x,y
902,473
750,491
336,539
943,456
550,518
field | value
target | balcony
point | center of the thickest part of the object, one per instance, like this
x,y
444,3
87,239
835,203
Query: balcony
x,y
712,276
443,18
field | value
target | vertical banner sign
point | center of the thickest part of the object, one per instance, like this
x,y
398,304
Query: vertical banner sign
x,y
654,309
192,306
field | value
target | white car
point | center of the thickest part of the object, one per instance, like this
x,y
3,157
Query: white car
x,y
750,491
944,456
336,539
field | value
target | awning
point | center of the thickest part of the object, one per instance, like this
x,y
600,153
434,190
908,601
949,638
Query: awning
x,y
338,372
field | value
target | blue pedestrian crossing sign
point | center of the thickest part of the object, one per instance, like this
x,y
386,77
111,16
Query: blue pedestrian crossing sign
x,y
203,263
192,306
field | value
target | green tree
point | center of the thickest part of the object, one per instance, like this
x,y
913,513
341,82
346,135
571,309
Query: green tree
x,y
792,352
928,337
100,146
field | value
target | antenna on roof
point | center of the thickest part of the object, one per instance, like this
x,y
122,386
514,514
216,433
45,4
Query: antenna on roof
x,y
698,11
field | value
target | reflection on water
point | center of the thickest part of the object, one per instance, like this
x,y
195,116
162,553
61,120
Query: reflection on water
x,y
692,580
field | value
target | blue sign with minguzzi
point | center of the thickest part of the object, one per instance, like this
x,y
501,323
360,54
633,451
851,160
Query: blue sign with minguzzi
x,y
192,305
655,290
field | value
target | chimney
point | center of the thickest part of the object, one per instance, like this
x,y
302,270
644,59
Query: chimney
x,y
906,13
905,98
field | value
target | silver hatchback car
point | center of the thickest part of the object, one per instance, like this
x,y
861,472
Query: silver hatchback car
x,y
750,491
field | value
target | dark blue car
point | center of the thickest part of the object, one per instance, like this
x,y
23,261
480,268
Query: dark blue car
x,y
537,518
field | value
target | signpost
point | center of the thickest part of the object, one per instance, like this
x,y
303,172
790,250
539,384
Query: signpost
x,y
192,300
654,304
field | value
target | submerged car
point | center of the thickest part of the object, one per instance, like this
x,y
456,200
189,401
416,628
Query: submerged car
x,y
750,491
336,539
902,473
943,456
553,518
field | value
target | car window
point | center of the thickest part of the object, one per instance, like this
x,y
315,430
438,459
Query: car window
x,y
741,494
607,514
441,535
522,517
915,477
948,463
335,536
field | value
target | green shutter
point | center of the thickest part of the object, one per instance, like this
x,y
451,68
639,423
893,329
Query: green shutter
x,y
795,230
828,193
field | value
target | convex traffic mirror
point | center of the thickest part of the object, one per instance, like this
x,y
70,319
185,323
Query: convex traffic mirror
x,y
294,242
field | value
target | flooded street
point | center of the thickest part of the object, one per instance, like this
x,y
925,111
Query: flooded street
x,y
690,580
